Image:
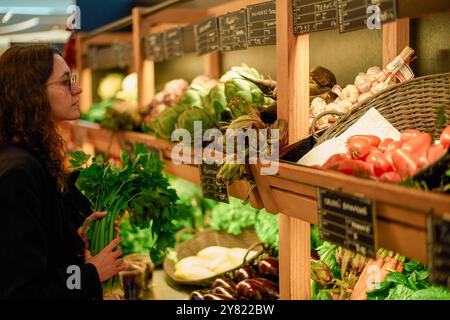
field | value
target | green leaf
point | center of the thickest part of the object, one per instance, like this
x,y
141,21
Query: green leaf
x,y
441,118
79,158
432,293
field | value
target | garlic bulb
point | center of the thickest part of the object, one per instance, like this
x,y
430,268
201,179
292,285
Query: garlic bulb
x,y
364,96
351,93
337,89
322,123
318,105
373,71
346,105
378,87
362,82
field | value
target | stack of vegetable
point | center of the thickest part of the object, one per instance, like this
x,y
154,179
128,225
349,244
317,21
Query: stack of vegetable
x,y
255,280
235,217
118,109
166,98
211,261
366,84
138,187
395,161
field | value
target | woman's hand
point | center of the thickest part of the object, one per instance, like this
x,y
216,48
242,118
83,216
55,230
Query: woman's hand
x,y
83,231
108,262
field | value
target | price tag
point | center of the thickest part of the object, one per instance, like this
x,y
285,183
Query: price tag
x,y
233,31
354,14
347,221
314,15
211,188
154,47
261,24
173,43
207,36
188,39
439,250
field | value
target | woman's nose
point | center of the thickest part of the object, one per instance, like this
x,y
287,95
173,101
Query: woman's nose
x,y
76,89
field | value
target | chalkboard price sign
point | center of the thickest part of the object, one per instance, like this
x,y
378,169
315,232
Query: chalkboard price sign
x,y
233,30
154,47
364,14
261,24
439,251
207,36
173,43
314,15
211,188
347,221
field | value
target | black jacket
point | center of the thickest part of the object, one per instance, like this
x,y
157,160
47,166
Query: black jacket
x,y
38,238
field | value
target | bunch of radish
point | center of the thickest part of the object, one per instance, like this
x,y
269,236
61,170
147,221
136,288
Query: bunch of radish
x,y
389,160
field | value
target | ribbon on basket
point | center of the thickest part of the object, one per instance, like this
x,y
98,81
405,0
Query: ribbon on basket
x,y
398,68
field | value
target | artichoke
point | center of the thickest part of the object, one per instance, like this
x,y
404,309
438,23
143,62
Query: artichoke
x,y
165,123
215,103
187,118
193,97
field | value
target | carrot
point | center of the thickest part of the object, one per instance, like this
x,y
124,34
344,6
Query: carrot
x,y
390,264
400,263
359,292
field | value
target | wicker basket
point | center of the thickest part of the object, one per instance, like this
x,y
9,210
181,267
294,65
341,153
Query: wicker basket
x,y
412,104
247,239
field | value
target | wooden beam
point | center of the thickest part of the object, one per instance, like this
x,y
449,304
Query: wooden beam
x,y
395,39
230,6
212,65
178,15
86,84
284,259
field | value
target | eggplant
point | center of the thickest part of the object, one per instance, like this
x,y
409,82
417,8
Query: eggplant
x,y
229,292
197,295
252,289
272,288
226,283
216,296
268,266
244,272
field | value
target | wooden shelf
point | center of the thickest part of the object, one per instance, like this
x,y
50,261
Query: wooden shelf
x,y
105,141
401,212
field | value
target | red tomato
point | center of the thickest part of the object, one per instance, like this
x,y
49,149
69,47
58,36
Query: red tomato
x,y
394,145
418,145
356,168
409,134
384,144
445,137
435,152
404,163
390,177
380,163
388,156
359,148
333,160
373,140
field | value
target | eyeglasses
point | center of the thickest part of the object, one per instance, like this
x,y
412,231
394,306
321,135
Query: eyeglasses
x,y
68,81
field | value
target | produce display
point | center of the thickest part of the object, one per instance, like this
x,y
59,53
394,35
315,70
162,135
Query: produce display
x,y
211,261
254,280
395,161
366,84
340,274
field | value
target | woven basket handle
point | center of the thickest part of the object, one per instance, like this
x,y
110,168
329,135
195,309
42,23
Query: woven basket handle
x,y
251,248
320,115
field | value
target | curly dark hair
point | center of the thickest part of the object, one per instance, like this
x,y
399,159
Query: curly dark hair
x,y
25,113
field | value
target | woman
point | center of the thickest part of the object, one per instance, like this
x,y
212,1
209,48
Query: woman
x,y
41,254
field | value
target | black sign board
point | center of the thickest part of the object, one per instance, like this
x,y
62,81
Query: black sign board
x,y
188,39
261,24
173,43
207,36
362,14
314,15
233,31
347,221
211,188
439,251
154,47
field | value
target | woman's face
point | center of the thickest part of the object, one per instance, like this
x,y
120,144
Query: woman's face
x,y
61,93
